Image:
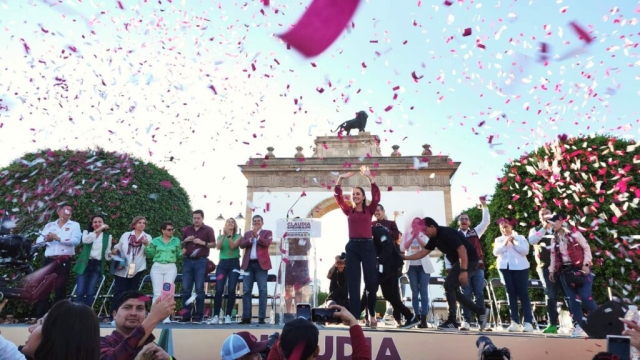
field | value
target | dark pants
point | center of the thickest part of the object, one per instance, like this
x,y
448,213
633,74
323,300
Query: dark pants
x,y
123,284
453,294
579,297
474,288
361,253
194,271
551,289
224,271
62,269
254,273
517,284
87,282
391,293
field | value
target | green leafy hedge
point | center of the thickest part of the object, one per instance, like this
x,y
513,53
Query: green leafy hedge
x,y
115,185
596,182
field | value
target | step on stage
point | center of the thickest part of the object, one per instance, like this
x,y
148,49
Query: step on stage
x,y
195,342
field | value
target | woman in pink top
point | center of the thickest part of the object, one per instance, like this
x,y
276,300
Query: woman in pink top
x,y
360,250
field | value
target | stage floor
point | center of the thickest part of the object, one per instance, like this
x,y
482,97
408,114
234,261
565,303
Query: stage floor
x,y
201,341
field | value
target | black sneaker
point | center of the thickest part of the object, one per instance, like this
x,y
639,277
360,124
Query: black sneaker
x,y
245,321
261,321
448,326
482,319
411,323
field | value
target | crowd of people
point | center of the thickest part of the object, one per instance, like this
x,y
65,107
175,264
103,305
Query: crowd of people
x,y
375,249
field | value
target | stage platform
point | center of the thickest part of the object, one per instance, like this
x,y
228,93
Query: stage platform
x,y
201,341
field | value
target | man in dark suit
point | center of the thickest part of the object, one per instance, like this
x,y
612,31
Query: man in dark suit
x,y
255,264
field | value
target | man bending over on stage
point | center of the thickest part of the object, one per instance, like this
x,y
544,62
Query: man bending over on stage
x,y
134,327
464,262
299,339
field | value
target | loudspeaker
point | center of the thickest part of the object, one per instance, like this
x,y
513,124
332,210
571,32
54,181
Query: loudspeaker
x,y
604,321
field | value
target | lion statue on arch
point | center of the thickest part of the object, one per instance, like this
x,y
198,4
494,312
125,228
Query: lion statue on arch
x,y
358,123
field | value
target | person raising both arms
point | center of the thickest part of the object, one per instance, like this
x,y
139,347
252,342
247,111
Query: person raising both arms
x,y
360,250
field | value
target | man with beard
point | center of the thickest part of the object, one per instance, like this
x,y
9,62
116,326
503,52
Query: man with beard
x,y
134,327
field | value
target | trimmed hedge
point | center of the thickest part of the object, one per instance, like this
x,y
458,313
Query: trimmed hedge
x,y
115,185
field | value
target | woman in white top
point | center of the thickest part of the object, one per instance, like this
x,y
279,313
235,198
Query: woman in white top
x,y
96,250
511,251
418,271
131,249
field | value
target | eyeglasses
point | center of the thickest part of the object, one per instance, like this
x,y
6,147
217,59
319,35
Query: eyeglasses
x,y
169,229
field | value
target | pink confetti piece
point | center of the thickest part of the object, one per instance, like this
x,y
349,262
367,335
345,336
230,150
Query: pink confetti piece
x,y
320,26
466,32
448,3
166,184
388,108
415,77
120,5
582,33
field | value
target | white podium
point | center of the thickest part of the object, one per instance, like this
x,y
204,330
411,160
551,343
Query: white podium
x,y
297,285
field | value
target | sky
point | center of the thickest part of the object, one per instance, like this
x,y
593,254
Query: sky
x,y
210,85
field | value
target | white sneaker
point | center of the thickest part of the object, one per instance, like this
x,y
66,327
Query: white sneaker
x,y
166,321
465,326
579,333
227,320
515,327
215,320
527,327
191,299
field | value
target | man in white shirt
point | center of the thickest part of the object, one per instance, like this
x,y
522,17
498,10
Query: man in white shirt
x,y
475,286
61,238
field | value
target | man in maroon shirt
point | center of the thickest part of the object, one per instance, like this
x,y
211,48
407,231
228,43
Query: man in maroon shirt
x,y
197,240
133,327
299,339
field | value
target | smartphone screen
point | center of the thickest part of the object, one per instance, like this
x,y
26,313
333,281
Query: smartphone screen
x,y
303,311
168,289
324,315
619,345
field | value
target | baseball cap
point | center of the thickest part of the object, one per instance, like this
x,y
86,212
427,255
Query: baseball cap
x,y
556,217
240,344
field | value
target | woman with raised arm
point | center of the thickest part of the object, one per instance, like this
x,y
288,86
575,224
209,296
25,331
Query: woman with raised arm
x,y
360,249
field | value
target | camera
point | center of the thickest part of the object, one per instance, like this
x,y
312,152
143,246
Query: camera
x,y
490,351
325,315
271,341
343,256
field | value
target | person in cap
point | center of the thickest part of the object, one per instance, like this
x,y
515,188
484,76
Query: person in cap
x,y
571,263
242,345
299,339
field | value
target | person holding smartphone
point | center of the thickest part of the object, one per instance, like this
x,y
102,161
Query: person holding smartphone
x,y
164,250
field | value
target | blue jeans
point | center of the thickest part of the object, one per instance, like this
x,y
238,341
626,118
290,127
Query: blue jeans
x,y
224,271
517,284
87,282
454,295
254,273
419,282
551,294
474,288
194,271
585,294
361,253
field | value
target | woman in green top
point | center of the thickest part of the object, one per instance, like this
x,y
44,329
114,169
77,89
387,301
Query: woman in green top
x,y
164,250
229,267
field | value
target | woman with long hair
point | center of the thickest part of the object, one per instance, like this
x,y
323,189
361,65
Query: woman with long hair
x,y
164,250
228,243
418,271
96,251
571,262
361,253
69,331
131,249
511,251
